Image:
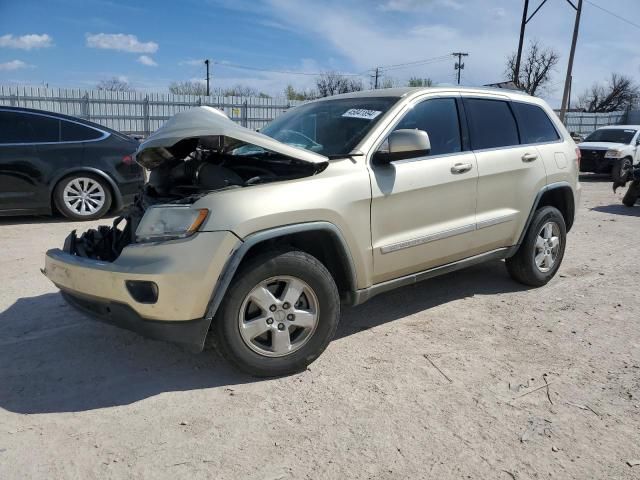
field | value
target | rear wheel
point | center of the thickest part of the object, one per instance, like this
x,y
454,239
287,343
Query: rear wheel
x,y
82,196
540,254
279,314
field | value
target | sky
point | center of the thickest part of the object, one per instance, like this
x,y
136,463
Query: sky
x,y
77,43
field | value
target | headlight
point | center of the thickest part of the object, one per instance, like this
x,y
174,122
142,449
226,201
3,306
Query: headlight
x,y
613,154
164,222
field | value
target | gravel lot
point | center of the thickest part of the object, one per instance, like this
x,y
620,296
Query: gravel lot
x,y
438,380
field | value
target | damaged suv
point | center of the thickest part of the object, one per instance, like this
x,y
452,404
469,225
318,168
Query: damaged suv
x,y
257,239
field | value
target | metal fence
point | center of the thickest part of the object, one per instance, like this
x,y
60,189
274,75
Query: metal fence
x,y
140,113
584,123
143,113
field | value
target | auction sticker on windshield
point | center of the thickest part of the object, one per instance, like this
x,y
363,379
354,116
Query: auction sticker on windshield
x,y
361,113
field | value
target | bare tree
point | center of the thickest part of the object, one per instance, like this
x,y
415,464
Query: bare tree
x,y
535,68
240,90
188,88
620,93
115,84
419,82
333,83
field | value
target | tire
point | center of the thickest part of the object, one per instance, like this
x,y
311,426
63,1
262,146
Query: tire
x,y
267,354
67,196
631,196
621,170
523,266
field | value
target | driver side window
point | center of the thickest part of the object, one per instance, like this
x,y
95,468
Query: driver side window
x,y
439,118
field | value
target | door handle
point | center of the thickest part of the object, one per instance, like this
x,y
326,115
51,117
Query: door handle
x,y
461,167
529,157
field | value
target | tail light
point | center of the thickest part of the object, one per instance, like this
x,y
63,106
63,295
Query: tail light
x,y
578,157
128,160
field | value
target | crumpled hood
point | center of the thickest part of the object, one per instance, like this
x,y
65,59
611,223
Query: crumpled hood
x,y
602,145
211,122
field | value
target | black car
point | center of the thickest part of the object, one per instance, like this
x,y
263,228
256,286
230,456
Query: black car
x,y
50,161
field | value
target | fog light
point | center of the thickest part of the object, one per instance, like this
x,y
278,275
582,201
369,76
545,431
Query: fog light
x,y
142,292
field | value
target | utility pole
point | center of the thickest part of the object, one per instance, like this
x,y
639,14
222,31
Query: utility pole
x,y
206,62
522,27
459,65
375,82
525,19
567,81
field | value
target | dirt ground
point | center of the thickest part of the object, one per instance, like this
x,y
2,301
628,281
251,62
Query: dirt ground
x,y
438,380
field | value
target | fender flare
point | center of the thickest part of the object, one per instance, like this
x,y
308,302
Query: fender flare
x,y
117,196
232,264
543,190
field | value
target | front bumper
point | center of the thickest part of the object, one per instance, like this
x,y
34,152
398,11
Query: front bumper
x,y
184,271
188,334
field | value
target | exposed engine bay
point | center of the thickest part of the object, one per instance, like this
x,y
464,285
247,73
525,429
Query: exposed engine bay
x,y
182,174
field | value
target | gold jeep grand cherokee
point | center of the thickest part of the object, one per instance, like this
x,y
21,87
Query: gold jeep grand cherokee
x,y
256,239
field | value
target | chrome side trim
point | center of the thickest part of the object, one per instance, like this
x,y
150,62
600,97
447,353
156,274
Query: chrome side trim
x,y
414,242
363,295
490,222
427,238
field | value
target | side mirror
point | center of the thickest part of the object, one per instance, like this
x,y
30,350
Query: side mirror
x,y
403,143
638,141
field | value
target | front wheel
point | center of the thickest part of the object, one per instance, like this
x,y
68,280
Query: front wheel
x,y
633,192
540,254
279,314
621,170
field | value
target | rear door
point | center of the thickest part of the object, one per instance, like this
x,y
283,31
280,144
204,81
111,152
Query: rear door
x,y
510,174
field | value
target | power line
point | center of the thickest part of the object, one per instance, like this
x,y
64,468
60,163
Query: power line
x,y
619,17
380,69
288,72
415,63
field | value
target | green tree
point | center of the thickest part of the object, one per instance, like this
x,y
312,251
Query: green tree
x,y
292,94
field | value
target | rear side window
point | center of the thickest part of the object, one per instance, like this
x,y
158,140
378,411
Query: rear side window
x,y
74,132
535,125
439,118
17,127
491,123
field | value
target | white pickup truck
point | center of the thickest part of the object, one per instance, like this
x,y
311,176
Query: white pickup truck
x,y
612,149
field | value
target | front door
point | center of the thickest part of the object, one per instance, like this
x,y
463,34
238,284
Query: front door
x,y
423,209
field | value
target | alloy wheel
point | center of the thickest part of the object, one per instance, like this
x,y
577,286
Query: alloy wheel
x,y
278,316
83,196
547,246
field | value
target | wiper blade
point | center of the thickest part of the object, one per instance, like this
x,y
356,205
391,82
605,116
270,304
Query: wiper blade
x,y
336,156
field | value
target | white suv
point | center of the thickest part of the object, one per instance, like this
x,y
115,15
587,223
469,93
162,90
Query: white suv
x,y
612,149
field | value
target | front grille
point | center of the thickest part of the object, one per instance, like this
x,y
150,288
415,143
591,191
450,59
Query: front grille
x,y
592,155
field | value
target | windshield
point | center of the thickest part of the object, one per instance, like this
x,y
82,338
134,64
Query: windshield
x,y
327,127
612,135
